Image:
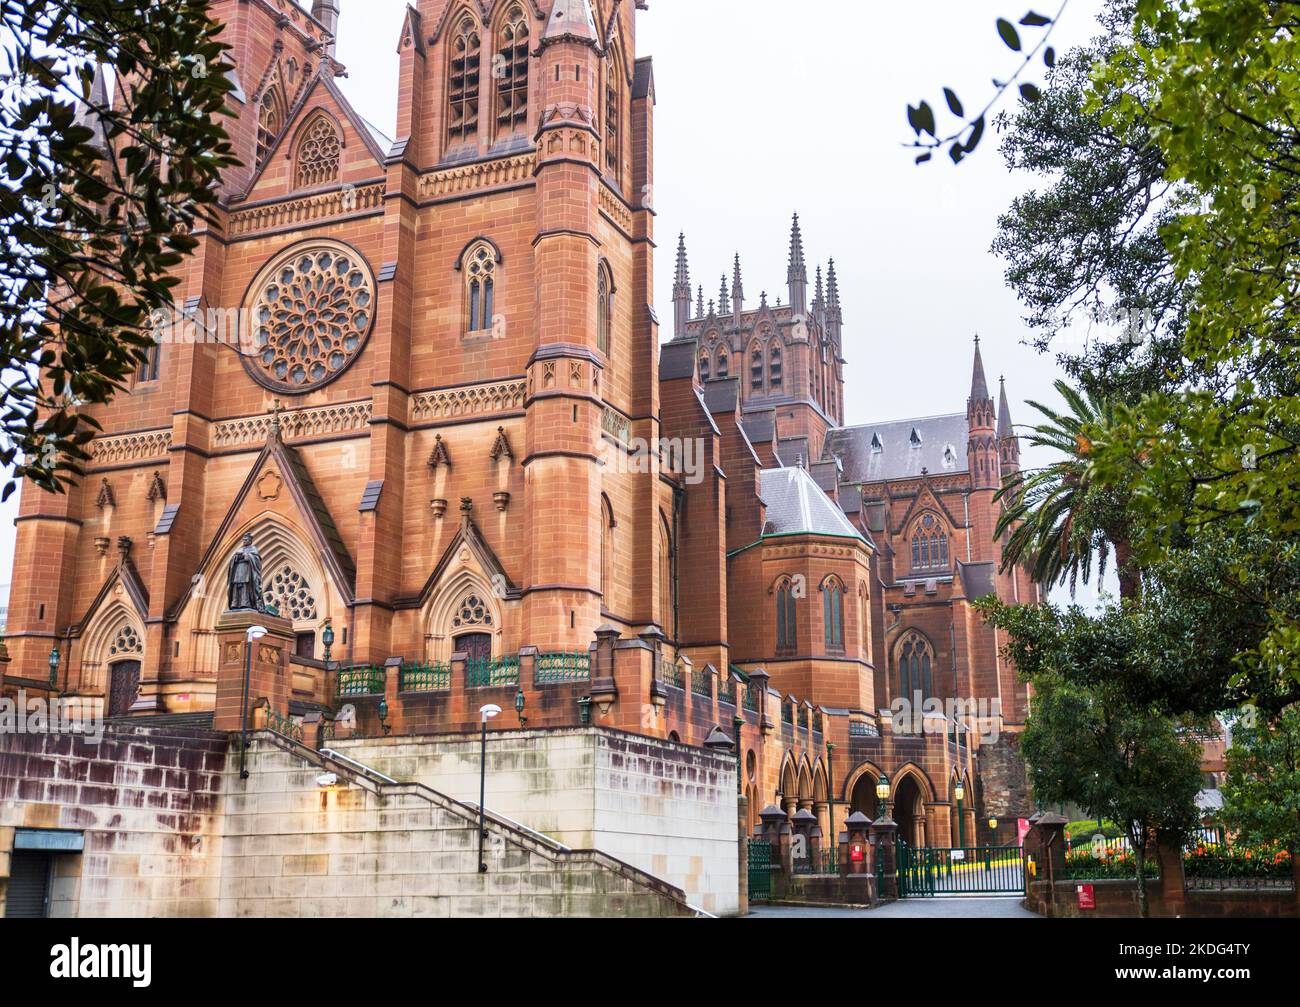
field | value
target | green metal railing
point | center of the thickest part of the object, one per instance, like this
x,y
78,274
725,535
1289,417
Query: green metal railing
x,y
483,673
861,729
286,726
751,698
926,870
362,680
817,721
787,713
424,678
727,690
823,862
671,674
700,682
760,870
554,669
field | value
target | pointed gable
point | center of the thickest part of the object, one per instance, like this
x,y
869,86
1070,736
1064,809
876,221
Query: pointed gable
x,y
324,142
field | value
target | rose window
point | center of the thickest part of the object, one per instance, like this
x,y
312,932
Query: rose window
x,y
472,612
312,311
291,595
127,641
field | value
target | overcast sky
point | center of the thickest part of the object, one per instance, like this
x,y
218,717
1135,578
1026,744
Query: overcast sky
x,y
801,107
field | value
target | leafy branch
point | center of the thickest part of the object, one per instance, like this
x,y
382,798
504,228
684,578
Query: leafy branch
x,y
963,140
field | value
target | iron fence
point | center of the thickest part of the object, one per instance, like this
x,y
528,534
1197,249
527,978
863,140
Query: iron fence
x,y
424,678
485,673
361,680
555,669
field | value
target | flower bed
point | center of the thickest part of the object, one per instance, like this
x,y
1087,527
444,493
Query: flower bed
x,y
1217,860
1115,862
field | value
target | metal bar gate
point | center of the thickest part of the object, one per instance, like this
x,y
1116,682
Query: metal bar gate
x,y
969,870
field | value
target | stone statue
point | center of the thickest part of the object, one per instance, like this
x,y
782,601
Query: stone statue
x,y
244,593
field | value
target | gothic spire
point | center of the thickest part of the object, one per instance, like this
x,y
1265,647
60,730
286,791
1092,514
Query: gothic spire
x,y
832,288
89,112
572,20
699,305
979,386
737,288
724,299
1005,428
797,274
819,294
681,291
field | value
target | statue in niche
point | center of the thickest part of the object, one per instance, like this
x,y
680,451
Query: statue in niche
x,y
244,593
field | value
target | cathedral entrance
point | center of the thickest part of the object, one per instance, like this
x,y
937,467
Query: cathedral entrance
x,y
123,688
477,645
909,812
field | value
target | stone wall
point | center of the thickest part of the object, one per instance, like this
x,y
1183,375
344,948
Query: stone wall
x,y
668,809
1118,898
171,830
147,804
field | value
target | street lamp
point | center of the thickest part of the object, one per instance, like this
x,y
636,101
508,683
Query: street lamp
x,y
327,638
487,713
959,792
882,795
54,666
520,701
254,633
383,717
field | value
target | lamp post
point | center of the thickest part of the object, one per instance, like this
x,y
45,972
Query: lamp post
x,y
487,713
327,638
54,666
882,795
959,792
737,723
832,839
520,701
383,717
254,633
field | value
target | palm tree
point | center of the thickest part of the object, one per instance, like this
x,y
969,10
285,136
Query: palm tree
x,y
1056,518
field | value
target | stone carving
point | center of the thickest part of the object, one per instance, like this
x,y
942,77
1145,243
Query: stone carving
x,y
496,397
244,593
130,447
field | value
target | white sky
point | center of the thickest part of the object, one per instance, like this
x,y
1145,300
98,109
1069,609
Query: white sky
x,y
802,108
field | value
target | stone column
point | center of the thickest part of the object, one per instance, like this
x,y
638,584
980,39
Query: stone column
x,y
855,840
884,832
269,676
1045,849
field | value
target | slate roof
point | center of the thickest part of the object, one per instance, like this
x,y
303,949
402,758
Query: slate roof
x,y
880,451
795,504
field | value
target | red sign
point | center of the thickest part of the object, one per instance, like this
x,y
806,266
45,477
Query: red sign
x,y
1022,830
855,851
1087,896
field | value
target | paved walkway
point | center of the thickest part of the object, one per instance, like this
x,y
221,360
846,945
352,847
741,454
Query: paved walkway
x,y
929,908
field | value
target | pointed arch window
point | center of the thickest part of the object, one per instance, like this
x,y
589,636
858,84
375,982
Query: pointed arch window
x,y
510,69
667,580
704,365
604,306
480,265
724,364
606,550
756,368
929,544
915,667
318,154
833,614
613,116
463,83
787,635
270,120
774,366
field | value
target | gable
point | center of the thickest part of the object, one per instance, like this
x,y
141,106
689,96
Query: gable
x,y
321,126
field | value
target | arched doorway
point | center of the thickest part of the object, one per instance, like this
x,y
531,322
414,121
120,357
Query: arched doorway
x,y
123,687
908,810
863,797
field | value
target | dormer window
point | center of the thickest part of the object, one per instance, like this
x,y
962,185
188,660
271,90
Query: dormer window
x,y
876,446
915,438
949,456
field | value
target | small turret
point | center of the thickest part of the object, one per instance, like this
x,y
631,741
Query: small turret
x,y
737,293
1008,442
327,13
981,446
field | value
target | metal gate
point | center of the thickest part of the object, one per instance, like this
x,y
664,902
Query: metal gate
x,y
968,870
760,870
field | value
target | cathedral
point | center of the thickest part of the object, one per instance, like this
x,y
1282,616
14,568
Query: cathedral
x,y
423,376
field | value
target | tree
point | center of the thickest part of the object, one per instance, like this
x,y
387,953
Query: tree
x,y
1262,791
1219,84
101,184
1094,747
1056,518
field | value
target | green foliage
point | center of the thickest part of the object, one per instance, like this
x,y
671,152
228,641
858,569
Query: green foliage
x,y
1055,518
1262,792
1218,84
97,209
